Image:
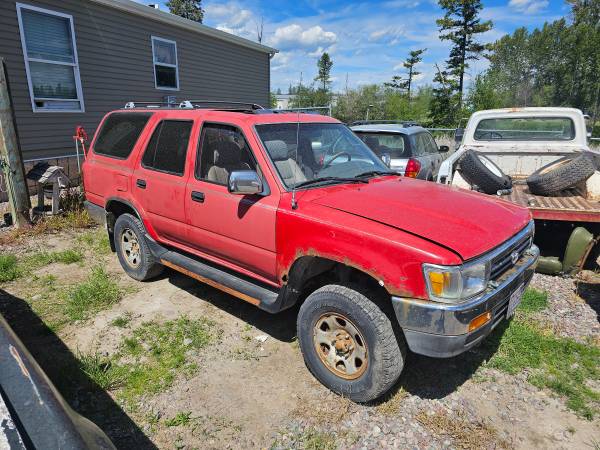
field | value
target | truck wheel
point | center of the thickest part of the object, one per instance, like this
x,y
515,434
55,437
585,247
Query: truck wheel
x,y
478,170
348,343
561,174
133,252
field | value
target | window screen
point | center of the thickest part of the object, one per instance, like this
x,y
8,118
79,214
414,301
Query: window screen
x,y
119,134
164,54
167,148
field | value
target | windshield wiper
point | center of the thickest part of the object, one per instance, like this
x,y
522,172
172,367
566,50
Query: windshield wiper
x,y
330,179
372,173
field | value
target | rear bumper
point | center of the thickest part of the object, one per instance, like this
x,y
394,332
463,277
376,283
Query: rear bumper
x,y
97,213
442,330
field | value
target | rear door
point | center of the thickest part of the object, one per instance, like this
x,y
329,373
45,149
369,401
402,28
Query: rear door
x,y
426,152
159,179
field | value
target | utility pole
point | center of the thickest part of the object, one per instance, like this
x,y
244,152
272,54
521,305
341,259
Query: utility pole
x,y
10,156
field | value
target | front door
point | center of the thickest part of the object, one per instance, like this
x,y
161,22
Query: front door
x,y
239,229
159,180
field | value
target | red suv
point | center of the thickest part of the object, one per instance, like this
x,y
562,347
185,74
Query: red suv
x,y
278,209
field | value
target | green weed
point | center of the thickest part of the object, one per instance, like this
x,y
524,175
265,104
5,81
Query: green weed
x,y
182,418
122,321
103,371
96,240
98,292
9,269
533,301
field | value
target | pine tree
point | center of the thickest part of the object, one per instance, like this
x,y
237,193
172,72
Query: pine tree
x,y
443,108
324,65
461,25
188,9
406,83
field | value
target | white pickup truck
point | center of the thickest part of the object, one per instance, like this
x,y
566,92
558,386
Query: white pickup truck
x,y
530,157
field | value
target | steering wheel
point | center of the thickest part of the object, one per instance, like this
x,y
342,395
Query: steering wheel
x,y
492,135
336,156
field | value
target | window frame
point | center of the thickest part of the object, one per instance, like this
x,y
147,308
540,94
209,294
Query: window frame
x,y
572,123
74,65
154,64
198,159
156,126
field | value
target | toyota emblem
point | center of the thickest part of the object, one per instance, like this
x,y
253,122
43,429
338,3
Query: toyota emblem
x,y
514,257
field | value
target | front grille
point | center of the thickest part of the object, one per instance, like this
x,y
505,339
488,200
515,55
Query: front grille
x,y
503,260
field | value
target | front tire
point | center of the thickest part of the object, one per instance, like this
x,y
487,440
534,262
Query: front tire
x,y
349,344
133,252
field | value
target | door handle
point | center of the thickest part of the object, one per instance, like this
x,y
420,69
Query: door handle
x,y
198,196
141,184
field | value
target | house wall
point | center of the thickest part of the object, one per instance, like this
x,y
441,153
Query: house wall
x,y
115,63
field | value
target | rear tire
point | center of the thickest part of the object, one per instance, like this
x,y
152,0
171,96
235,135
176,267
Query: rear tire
x,y
478,170
561,174
349,344
133,252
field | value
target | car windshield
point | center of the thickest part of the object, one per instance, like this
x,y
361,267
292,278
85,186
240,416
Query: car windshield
x,y
525,129
393,144
327,151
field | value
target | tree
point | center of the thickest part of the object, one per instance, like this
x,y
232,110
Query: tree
x,y
444,107
188,9
461,25
410,63
324,65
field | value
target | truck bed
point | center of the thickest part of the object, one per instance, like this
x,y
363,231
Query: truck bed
x,y
570,205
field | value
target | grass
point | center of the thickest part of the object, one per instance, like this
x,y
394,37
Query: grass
x,y
103,371
182,418
98,292
96,240
533,301
392,405
122,321
9,269
559,364
157,352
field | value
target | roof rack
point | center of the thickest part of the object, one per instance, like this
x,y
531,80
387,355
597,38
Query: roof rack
x,y
200,104
404,123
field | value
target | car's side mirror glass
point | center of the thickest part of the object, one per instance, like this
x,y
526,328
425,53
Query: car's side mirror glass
x,y
443,149
244,182
387,159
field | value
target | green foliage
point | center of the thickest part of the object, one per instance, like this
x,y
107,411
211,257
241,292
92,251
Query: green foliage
x,y
97,241
188,9
98,292
405,84
272,100
324,65
533,301
9,269
181,418
103,371
122,321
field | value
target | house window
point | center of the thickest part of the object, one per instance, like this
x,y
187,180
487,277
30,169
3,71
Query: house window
x,y
164,55
50,53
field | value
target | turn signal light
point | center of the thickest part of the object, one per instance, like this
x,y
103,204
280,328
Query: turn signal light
x,y
412,168
480,321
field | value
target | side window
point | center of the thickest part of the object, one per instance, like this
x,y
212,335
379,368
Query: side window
x,y
119,133
420,146
222,149
167,148
430,144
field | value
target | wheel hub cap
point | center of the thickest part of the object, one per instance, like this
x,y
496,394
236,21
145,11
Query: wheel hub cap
x,y
130,247
340,346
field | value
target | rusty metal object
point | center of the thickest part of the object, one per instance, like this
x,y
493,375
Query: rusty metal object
x,y
340,346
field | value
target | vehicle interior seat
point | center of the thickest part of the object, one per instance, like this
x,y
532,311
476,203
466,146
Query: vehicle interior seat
x,y
288,168
227,158
372,142
306,158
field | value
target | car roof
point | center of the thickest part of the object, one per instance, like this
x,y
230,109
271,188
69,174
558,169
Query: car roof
x,y
388,128
256,118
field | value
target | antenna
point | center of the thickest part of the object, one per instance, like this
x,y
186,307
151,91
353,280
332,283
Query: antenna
x,y
294,202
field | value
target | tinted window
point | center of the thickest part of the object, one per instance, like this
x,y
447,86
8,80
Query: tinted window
x,y
119,134
525,129
222,150
393,144
167,148
430,145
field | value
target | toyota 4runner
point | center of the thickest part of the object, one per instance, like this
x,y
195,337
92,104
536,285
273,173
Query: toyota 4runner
x,y
234,196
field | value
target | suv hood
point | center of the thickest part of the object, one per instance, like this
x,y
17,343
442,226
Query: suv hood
x,y
466,222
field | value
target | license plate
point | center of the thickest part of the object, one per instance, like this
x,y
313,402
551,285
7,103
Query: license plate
x,y
515,299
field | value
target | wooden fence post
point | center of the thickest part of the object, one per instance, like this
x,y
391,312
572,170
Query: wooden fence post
x,y
10,156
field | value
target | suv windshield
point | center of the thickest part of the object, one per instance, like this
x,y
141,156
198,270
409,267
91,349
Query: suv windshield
x,y
324,150
393,144
525,129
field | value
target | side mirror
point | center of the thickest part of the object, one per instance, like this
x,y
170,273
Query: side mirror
x,y
387,159
244,182
458,135
443,149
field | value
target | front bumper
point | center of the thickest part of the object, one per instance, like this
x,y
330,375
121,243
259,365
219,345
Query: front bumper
x,y
442,330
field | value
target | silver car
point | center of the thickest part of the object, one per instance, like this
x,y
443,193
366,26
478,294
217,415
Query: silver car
x,y
404,146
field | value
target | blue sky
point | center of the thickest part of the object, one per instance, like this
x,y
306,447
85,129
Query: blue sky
x,y
367,40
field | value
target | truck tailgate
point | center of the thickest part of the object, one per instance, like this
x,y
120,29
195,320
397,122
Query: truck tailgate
x,y
570,205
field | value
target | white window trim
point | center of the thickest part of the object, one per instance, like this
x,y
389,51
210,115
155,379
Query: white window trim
x,y
27,59
154,63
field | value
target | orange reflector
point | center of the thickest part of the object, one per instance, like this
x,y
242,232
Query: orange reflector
x,y
479,321
439,280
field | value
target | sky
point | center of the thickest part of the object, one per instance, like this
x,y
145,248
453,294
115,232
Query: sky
x,y
367,40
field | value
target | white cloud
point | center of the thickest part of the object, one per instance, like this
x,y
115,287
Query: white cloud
x,y
393,34
528,6
232,18
293,36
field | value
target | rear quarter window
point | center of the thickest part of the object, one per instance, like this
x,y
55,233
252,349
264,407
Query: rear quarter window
x,y
119,134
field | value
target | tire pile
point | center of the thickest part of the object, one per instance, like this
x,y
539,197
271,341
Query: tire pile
x,y
564,173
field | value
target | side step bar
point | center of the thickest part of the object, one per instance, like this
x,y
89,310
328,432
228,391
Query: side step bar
x,y
239,286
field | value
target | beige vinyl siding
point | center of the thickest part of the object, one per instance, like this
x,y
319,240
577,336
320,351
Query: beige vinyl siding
x,y
116,66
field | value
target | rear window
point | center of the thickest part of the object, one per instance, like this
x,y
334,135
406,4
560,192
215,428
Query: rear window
x,y
525,129
119,134
393,144
167,149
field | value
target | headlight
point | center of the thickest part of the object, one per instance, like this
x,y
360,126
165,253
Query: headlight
x,y
452,284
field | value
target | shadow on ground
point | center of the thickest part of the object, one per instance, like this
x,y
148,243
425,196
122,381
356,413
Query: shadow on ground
x,y
590,292
62,367
424,377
